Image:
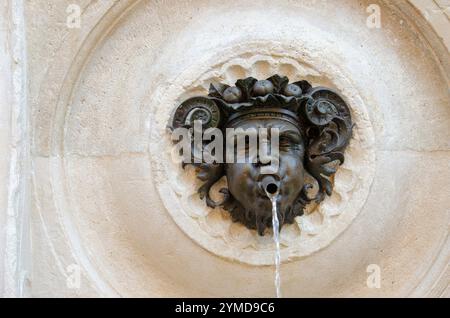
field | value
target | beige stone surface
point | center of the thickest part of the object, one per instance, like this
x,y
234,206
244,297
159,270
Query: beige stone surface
x,y
103,196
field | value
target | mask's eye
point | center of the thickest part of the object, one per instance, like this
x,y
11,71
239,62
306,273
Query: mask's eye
x,y
289,142
285,142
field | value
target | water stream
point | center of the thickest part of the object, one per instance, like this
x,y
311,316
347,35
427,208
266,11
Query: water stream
x,y
276,239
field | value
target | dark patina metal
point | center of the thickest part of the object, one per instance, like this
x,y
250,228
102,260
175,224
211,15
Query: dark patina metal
x,y
315,128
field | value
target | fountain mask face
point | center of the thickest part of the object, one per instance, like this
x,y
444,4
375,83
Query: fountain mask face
x,y
314,128
251,186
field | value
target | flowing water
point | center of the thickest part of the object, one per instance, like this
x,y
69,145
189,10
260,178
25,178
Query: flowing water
x,y
276,239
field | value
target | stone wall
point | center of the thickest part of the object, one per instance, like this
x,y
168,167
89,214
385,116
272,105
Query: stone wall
x,y
15,197
92,204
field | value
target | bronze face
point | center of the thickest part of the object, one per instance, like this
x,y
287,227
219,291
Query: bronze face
x,y
314,129
247,182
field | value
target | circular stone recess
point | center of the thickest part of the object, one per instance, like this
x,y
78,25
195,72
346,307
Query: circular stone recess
x,y
214,229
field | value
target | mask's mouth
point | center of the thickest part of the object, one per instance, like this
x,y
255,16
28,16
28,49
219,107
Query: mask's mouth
x,y
270,186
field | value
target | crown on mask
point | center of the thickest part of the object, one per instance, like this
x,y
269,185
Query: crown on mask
x,y
298,102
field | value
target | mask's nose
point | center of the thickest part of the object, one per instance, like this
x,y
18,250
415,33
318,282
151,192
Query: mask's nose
x,y
269,166
259,162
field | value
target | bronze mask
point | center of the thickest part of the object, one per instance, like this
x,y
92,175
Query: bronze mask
x,y
314,127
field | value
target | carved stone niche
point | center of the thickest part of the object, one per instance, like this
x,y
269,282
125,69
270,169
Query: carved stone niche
x,y
314,127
